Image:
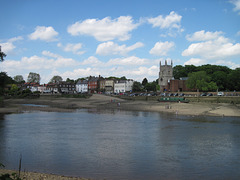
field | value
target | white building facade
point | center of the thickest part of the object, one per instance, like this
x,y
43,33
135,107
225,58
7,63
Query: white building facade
x,y
82,86
123,86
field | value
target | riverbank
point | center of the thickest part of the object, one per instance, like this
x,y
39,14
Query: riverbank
x,y
60,104
39,176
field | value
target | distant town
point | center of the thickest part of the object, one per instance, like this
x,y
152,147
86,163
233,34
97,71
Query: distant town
x,y
172,80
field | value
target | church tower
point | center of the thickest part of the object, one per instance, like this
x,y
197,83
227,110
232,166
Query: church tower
x,y
165,75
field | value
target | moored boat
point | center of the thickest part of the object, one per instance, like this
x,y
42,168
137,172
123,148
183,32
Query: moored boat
x,y
173,99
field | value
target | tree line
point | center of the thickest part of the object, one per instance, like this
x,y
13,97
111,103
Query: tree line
x,y
203,78
209,77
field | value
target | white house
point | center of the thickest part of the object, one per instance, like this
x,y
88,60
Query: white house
x,y
82,86
42,88
34,88
129,85
122,86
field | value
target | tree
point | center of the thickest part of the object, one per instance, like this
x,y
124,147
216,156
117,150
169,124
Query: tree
x,y
56,79
137,86
70,80
212,86
18,79
201,81
144,81
123,78
33,78
221,79
2,55
4,80
152,86
234,80
179,71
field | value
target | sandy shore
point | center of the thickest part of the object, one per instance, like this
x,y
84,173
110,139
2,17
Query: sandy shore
x,y
58,104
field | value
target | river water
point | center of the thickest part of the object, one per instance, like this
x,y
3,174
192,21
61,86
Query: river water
x,y
122,144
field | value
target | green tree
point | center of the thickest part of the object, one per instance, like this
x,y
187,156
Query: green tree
x,y
210,69
14,87
212,86
234,80
137,86
18,79
201,81
151,86
2,55
190,69
70,80
144,81
179,71
4,80
221,79
183,71
33,78
56,79
123,78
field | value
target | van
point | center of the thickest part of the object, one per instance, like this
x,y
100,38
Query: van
x,y
220,93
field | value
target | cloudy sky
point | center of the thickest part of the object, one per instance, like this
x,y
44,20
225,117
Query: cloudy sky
x,y
79,38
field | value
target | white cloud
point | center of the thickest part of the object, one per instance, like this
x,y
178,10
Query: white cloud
x,y
230,64
111,48
199,62
8,47
203,36
213,46
93,61
145,71
50,54
81,72
171,21
195,61
44,33
44,65
105,29
132,60
238,33
74,48
162,48
136,73
236,3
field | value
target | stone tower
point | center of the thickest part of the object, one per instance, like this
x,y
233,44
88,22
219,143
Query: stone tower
x,y
165,75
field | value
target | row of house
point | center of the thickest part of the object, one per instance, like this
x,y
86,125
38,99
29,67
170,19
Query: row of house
x,y
91,85
100,84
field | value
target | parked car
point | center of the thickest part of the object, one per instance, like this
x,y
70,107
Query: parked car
x,y
203,94
220,94
182,94
209,94
163,94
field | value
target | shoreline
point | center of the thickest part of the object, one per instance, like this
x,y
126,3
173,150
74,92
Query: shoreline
x,y
25,175
98,101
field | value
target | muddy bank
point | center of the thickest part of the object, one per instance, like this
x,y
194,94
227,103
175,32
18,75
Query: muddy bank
x,y
59,104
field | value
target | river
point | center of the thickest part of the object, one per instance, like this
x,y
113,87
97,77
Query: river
x,y
122,144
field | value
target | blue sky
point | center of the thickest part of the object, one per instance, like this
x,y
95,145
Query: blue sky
x,y
79,38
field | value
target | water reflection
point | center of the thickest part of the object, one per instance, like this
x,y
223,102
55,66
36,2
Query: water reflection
x,y
116,144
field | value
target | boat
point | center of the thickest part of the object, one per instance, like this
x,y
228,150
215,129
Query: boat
x,y
173,99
